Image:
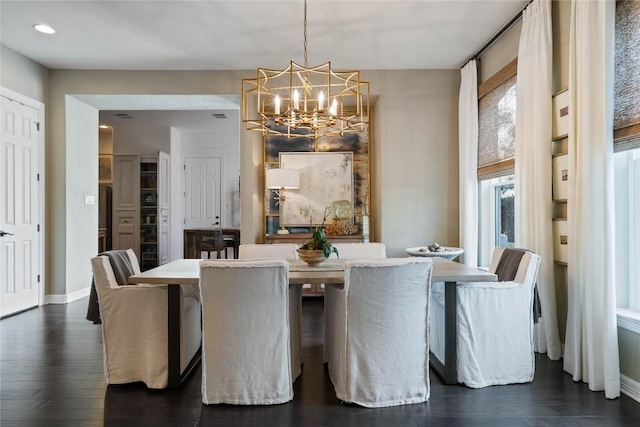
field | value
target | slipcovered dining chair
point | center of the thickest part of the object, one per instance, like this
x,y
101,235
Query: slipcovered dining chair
x,y
382,344
494,322
270,251
283,251
369,250
246,355
134,325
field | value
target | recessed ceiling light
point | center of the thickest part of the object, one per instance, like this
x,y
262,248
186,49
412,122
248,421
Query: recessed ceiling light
x,y
104,127
44,28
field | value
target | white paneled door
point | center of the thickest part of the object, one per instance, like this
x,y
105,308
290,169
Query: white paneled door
x,y
19,242
202,192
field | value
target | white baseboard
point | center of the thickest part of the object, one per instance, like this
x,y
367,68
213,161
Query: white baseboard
x,y
67,298
630,387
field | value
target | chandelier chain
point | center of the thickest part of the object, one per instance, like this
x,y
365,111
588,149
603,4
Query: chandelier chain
x,y
305,33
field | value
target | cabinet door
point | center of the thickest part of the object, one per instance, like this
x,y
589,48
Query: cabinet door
x,y
126,203
163,207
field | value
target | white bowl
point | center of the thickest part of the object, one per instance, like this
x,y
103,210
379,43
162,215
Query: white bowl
x,y
448,253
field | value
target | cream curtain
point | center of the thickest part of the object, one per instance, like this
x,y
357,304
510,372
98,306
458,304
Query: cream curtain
x,y
534,229
591,345
468,153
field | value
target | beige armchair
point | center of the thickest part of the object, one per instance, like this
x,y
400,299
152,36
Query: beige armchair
x,y
134,327
494,322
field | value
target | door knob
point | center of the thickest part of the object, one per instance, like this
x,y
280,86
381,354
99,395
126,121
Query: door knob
x,y
5,233
216,223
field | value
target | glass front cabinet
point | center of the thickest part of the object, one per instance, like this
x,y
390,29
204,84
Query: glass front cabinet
x,y
140,213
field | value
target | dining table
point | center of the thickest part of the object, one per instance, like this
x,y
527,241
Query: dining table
x,y
329,272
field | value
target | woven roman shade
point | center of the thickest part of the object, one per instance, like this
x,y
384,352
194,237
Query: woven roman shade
x,y
497,123
626,118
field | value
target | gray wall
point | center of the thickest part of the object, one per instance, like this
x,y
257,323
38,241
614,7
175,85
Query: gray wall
x,y
414,145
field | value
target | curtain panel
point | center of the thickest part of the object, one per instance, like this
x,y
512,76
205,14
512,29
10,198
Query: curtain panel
x,y
591,344
533,171
468,158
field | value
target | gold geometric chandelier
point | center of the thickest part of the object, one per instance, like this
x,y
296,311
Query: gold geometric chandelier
x,y
301,100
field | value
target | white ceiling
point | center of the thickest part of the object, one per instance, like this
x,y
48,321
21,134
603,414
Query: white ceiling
x,y
245,35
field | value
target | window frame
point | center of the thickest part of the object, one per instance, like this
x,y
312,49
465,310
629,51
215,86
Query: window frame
x,y
487,218
633,160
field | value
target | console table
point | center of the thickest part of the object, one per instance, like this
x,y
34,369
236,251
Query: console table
x,y
231,238
301,238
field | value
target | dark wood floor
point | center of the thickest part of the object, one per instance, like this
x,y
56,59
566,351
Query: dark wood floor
x,y
51,375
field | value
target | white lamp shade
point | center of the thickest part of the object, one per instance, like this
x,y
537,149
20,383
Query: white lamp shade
x,y
283,178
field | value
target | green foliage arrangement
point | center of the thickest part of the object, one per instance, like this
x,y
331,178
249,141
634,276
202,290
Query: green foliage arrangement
x,y
319,242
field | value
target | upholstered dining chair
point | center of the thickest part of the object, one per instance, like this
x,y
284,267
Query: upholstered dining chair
x,y
283,251
367,250
494,322
382,356
134,326
246,355
275,250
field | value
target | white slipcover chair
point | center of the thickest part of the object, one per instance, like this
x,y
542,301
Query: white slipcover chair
x,y
370,250
283,251
270,251
382,341
246,355
495,326
134,326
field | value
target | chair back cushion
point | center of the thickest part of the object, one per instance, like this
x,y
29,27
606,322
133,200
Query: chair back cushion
x,y
518,265
118,266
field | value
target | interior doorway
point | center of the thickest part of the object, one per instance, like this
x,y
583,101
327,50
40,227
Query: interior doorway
x,y
144,124
21,196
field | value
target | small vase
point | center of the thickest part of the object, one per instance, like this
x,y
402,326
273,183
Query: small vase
x,y
312,257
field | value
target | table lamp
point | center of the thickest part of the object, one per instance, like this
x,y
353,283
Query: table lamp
x,y
280,180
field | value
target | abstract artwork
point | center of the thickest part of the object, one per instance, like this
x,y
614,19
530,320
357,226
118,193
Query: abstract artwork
x,y
325,177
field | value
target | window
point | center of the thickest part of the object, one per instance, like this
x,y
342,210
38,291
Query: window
x,y
627,207
497,123
627,161
497,220
496,161
505,210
